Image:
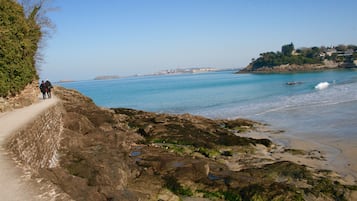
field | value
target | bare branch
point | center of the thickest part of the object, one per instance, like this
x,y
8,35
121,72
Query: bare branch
x,y
38,10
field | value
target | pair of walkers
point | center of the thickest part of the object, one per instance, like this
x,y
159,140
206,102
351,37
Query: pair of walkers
x,y
45,88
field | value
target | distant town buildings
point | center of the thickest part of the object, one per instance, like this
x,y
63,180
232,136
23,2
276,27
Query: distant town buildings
x,y
331,51
186,70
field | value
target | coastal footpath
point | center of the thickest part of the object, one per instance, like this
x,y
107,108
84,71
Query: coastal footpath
x,y
33,124
79,151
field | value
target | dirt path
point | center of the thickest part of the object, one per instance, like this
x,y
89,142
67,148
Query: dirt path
x,y
13,183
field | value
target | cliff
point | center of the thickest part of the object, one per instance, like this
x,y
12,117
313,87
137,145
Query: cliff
x,y
92,153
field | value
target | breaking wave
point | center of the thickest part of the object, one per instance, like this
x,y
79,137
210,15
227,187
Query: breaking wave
x,y
322,85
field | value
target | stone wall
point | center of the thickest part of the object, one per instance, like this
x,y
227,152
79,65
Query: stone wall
x,y
36,145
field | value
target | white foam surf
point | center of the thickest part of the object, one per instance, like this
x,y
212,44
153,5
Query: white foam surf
x,y
322,85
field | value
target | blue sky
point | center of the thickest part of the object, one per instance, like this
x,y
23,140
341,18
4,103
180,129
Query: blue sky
x,y
127,37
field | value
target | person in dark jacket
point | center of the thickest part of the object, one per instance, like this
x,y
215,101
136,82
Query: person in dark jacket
x,y
49,87
43,89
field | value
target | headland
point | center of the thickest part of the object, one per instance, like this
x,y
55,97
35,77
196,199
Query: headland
x,y
311,59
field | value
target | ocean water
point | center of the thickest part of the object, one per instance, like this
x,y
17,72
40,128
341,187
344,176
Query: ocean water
x,y
303,108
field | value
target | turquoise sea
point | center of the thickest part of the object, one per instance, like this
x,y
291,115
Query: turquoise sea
x,y
299,108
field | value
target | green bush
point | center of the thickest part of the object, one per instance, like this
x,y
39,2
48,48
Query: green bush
x,y
272,59
19,38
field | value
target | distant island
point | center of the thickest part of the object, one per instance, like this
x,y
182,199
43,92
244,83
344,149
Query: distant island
x,y
107,77
304,59
64,81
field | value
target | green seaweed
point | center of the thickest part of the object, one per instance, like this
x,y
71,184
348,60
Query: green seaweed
x,y
212,195
296,151
209,153
328,187
174,186
231,196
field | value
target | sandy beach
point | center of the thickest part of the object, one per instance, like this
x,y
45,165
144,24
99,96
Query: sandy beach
x,y
341,157
337,155
328,153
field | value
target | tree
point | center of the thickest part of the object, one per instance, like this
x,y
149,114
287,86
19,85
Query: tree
x,y
20,35
272,59
37,11
287,49
341,48
352,47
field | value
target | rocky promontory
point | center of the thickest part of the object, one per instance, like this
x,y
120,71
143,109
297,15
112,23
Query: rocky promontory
x,y
312,59
286,68
126,154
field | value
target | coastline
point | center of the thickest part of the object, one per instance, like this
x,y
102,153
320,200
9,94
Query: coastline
x,y
292,69
197,155
321,154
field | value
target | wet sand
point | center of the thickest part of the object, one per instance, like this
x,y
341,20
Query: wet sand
x,y
338,155
342,157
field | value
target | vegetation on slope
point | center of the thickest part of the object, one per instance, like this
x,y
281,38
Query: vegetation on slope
x,y
302,56
19,39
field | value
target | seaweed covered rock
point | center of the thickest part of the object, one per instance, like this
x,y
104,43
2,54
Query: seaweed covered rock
x,y
189,130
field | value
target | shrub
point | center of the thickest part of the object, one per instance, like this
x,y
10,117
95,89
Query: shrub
x,y
19,36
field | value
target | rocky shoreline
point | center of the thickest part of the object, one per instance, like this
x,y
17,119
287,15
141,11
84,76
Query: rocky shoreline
x,y
292,68
126,154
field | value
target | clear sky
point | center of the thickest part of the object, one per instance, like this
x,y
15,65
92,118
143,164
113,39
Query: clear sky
x,y
127,37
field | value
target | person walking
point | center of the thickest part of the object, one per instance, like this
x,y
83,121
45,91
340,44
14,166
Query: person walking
x,y
43,89
49,87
